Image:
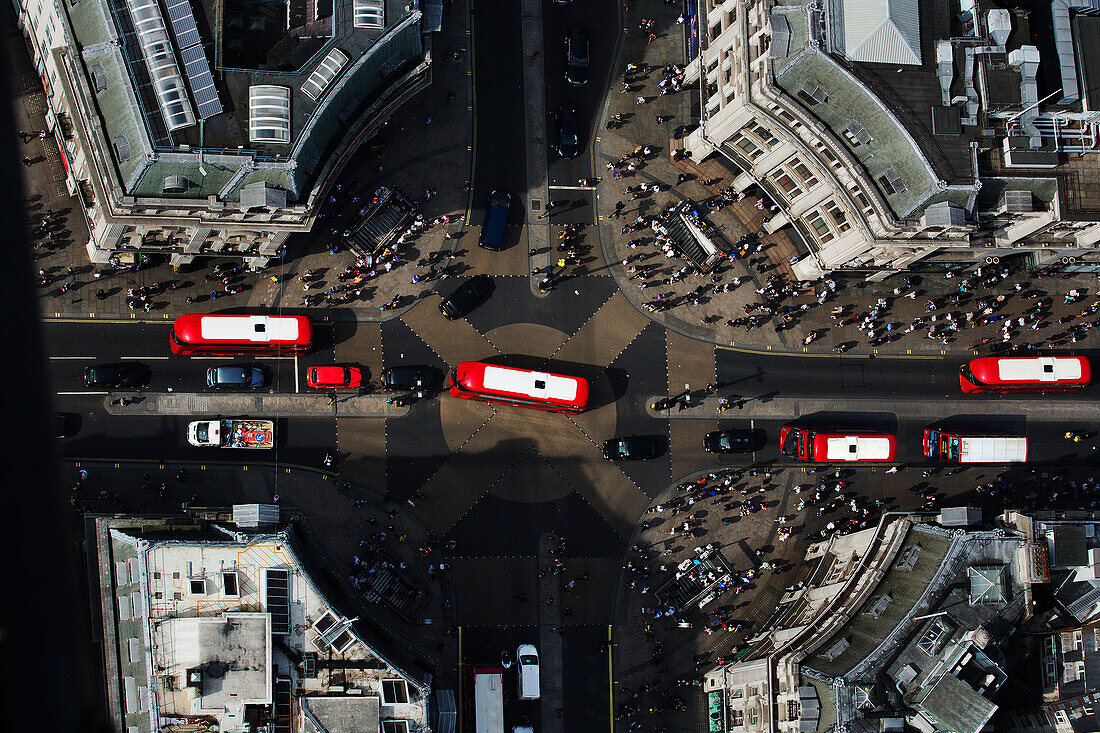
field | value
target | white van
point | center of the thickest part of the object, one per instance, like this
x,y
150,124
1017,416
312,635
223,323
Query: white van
x,y
527,659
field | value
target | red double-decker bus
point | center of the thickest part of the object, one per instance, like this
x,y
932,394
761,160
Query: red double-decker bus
x,y
475,380
203,334
1025,374
836,445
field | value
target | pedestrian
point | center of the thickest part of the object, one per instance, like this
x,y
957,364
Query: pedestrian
x,y
641,100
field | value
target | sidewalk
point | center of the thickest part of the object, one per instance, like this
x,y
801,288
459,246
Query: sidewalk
x,y
408,153
765,407
258,405
691,306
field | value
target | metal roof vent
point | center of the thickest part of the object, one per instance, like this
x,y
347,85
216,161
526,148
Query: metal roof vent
x,y
99,77
175,184
122,148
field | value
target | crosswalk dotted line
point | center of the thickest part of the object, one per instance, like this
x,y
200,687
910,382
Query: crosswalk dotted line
x,y
583,325
583,497
492,485
458,450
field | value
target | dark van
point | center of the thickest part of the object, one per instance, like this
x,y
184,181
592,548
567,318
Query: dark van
x,y
492,234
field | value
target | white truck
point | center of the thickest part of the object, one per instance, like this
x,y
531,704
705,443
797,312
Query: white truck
x,y
242,433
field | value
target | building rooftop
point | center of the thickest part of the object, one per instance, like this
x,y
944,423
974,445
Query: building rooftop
x,y
856,640
956,706
836,97
221,626
281,83
219,665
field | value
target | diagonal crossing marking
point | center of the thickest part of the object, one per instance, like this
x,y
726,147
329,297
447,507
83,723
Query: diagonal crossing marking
x,y
452,341
604,336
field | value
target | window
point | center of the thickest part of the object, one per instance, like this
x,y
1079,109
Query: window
x,y
750,148
175,575
856,134
752,691
737,718
820,226
803,172
754,716
177,596
794,710
369,14
764,134
812,94
394,692
229,584
158,595
891,182
838,216
786,185
156,575
395,726
197,586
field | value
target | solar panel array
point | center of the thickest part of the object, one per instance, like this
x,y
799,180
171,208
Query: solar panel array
x,y
195,64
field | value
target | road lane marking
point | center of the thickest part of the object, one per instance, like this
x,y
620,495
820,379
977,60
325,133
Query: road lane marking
x,y
297,385
143,358
55,358
87,393
571,188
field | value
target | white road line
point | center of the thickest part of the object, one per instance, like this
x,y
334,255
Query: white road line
x,y
571,188
91,393
55,358
143,358
297,386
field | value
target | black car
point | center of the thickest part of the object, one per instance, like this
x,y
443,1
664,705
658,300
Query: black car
x,y
116,376
468,296
576,57
634,447
412,378
236,376
568,145
733,441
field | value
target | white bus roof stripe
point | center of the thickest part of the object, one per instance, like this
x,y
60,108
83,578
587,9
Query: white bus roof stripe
x,y
854,448
1039,369
247,328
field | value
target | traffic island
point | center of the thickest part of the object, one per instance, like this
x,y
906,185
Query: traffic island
x,y
277,405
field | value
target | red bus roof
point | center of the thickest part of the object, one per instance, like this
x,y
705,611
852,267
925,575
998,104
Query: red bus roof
x,y
1039,370
196,328
554,389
